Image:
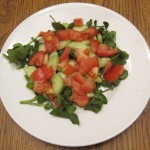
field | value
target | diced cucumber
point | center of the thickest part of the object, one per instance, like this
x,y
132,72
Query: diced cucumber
x,y
80,45
98,79
99,38
103,61
53,61
29,70
63,44
82,28
86,42
62,75
90,95
52,54
42,48
57,84
65,24
72,62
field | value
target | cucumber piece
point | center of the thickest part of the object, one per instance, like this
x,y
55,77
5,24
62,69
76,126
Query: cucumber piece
x,y
52,54
72,62
62,75
86,42
63,44
90,95
29,70
80,45
98,79
103,61
57,84
65,24
99,38
82,28
53,61
42,48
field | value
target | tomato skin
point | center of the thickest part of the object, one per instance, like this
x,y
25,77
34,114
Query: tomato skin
x,y
107,67
78,22
47,35
36,59
88,64
69,69
114,73
65,54
91,32
81,100
63,35
94,73
88,85
94,44
106,51
42,87
48,71
38,75
78,78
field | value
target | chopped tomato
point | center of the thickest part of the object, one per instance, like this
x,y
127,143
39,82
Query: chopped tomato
x,y
78,22
48,71
114,73
81,100
42,87
88,85
47,35
94,73
45,60
63,35
91,32
94,44
69,69
52,45
108,66
106,51
37,59
88,64
76,86
65,54
62,64
38,75
78,78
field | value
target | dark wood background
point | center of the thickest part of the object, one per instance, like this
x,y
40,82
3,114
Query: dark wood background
x,y
12,137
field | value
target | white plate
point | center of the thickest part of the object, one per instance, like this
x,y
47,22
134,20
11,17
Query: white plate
x,y
125,103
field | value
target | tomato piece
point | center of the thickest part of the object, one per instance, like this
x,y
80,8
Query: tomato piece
x,y
94,44
114,73
81,100
94,73
108,66
36,59
69,69
42,87
45,60
78,22
78,78
38,75
65,54
106,51
47,35
48,71
88,64
63,35
88,85
62,64
91,32
52,45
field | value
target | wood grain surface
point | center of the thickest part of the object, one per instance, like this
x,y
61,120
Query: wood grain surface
x,y
12,137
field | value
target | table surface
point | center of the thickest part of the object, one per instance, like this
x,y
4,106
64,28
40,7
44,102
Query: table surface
x,y
12,137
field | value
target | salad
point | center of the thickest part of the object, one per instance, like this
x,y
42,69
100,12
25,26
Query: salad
x,y
71,66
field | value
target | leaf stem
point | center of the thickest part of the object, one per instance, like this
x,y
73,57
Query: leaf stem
x,y
52,18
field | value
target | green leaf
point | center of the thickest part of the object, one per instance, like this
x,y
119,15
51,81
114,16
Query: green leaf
x,y
89,23
94,105
103,98
117,82
48,106
30,83
41,99
58,26
95,22
74,118
124,75
106,24
71,109
29,101
71,25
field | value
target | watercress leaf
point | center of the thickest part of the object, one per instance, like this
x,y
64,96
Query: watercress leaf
x,y
72,54
95,22
59,113
41,99
94,105
70,26
58,26
106,24
71,109
89,23
74,118
124,75
103,98
48,106
17,45
30,83
117,82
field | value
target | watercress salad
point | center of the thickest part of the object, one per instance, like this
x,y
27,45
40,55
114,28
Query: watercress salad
x,y
70,65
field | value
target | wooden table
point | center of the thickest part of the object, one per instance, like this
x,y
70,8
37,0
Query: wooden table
x,y
12,137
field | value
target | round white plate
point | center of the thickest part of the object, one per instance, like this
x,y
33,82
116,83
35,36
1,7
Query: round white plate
x,y
125,103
